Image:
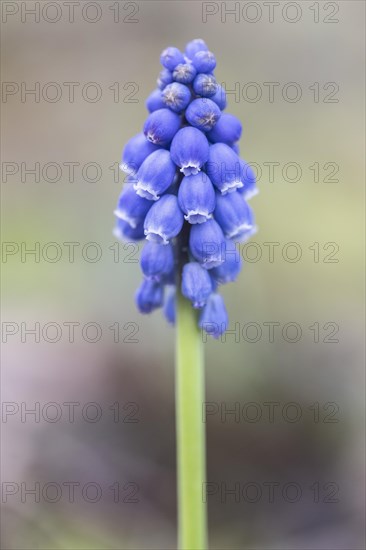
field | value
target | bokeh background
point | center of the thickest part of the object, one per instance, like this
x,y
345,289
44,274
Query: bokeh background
x,y
314,440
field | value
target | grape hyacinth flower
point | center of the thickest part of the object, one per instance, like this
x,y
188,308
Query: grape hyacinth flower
x,y
186,195
189,191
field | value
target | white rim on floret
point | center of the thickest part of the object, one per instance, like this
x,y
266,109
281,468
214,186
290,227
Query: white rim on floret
x,y
191,168
123,216
145,191
156,236
240,230
230,187
127,168
192,214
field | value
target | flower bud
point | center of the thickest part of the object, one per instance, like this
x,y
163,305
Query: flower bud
x,y
196,284
234,215
214,319
135,152
155,101
170,304
161,126
229,270
223,168
235,147
220,97
204,61
155,175
189,150
124,232
203,114
176,96
165,77
184,73
248,178
131,208
149,296
227,130
196,197
171,57
157,261
205,85
164,220
195,46
206,241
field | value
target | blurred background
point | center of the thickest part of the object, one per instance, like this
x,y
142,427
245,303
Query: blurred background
x,y
88,434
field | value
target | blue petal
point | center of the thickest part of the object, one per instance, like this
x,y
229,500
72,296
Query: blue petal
x,y
196,197
205,85
196,45
176,96
171,57
234,215
223,168
132,208
124,232
164,220
220,97
135,152
157,261
196,284
165,77
248,178
184,73
235,147
170,304
227,130
189,150
214,318
229,270
161,126
204,61
155,175
206,242
149,296
155,101
203,114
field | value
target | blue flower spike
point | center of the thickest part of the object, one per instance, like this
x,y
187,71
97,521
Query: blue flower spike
x,y
186,191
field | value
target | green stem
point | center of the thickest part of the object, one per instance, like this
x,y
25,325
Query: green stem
x,y
191,448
